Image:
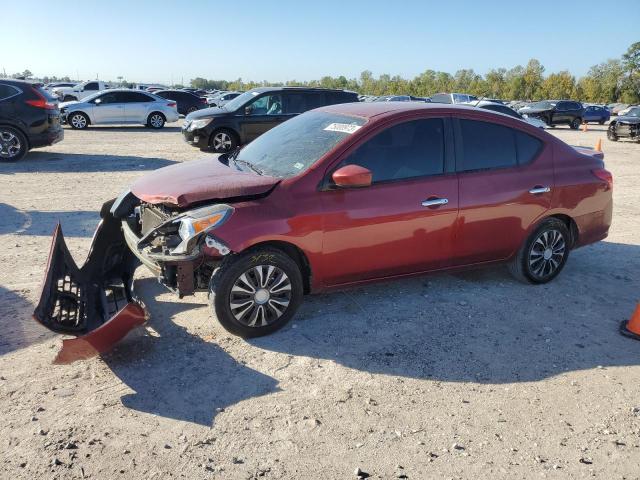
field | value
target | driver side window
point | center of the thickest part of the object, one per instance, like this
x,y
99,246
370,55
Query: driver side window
x,y
266,105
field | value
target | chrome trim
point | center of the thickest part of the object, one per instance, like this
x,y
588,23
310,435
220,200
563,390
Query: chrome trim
x,y
435,202
538,190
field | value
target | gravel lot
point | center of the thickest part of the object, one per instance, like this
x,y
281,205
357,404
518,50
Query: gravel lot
x,y
466,376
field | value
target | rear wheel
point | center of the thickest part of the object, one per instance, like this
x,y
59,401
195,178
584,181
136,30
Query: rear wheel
x,y
156,120
575,124
256,293
223,140
78,120
543,254
601,122
13,144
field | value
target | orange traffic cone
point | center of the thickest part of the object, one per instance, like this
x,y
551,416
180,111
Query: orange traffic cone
x,y
598,147
631,328
584,126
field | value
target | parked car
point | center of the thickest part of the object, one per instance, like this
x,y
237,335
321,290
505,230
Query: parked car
x,y
500,108
596,113
120,107
452,98
556,112
79,91
340,196
50,86
29,118
615,108
401,98
187,102
222,98
625,126
249,115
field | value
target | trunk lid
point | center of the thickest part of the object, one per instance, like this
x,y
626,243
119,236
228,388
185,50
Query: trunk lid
x,y
197,181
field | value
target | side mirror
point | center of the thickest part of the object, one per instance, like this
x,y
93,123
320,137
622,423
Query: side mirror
x,y
352,176
98,101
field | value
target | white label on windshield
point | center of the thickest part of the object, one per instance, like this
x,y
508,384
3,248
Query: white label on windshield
x,y
342,127
298,165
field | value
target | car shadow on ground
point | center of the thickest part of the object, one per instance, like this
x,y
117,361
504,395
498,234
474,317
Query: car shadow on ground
x,y
18,328
78,223
49,162
168,128
177,374
480,327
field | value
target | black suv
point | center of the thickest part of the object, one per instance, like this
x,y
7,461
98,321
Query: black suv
x,y
29,118
254,112
556,112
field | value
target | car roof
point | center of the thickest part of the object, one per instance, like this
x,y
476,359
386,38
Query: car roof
x,y
309,89
17,83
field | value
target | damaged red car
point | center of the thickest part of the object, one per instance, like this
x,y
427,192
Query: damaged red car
x,y
337,196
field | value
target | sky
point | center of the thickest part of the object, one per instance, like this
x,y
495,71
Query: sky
x,y
171,42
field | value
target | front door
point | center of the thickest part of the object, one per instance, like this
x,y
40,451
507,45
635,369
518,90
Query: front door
x,y
264,113
107,108
404,222
506,182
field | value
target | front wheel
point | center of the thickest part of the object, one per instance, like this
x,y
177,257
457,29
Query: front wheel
x,y
601,122
13,144
543,254
575,124
611,134
223,141
256,293
78,120
156,120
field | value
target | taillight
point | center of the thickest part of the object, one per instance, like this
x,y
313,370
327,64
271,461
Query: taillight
x,y
605,176
41,102
171,104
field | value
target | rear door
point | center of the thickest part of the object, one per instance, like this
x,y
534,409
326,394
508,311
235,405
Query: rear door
x,y
136,106
261,115
404,222
505,180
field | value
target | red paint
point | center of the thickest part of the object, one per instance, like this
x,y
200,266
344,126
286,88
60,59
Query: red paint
x,y
102,338
352,176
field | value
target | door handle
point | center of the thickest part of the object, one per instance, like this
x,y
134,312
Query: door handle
x,y
538,190
435,202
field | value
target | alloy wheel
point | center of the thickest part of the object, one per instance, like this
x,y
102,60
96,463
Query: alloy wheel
x,y
78,121
156,121
547,253
260,295
10,145
221,141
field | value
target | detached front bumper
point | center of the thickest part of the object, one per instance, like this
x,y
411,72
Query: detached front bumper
x,y
95,302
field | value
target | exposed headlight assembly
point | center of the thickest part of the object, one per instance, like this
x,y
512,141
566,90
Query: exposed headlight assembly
x,y
194,223
199,123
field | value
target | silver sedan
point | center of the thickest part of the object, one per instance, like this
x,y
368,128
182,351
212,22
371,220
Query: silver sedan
x,y
119,107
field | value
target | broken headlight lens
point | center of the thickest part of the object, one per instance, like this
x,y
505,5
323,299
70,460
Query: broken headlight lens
x,y
194,223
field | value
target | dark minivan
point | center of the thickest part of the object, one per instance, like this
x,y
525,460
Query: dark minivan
x,y
187,102
29,118
249,115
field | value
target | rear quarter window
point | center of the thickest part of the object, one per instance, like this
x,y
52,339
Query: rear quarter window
x,y
7,91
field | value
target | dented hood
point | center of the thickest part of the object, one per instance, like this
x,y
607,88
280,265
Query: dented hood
x,y
197,181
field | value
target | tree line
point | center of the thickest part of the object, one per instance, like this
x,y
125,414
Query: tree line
x,y
616,80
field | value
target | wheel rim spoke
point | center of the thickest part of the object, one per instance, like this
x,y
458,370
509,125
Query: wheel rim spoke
x,y
547,253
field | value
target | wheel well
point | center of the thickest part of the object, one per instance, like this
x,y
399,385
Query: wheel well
x,y
232,132
571,225
159,113
86,115
296,254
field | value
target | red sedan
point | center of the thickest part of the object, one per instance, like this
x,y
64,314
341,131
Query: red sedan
x,y
339,196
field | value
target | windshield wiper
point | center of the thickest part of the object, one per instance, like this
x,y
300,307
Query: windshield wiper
x,y
250,165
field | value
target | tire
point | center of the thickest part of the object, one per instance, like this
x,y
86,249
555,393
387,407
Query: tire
x,y
223,140
601,122
611,134
69,98
575,123
156,120
535,264
191,110
78,120
249,307
13,144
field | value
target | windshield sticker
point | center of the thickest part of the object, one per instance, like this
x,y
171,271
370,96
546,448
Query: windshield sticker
x,y
342,127
298,165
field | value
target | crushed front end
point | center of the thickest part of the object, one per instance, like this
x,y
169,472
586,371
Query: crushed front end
x,y
96,302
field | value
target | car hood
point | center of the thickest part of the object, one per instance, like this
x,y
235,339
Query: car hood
x,y
200,180
529,110
206,113
623,119
67,104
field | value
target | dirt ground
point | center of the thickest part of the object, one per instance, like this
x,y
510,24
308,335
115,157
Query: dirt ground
x,y
465,376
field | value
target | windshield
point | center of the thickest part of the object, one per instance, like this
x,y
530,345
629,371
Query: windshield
x,y
91,97
634,112
240,100
542,105
295,145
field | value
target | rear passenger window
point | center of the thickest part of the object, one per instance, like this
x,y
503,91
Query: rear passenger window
x,y
408,150
528,147
486,145
295,103
7,91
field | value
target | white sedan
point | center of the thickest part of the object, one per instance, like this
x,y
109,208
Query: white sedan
x,y
119,107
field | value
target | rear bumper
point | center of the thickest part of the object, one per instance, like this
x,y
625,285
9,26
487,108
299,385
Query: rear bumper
x,y
51,136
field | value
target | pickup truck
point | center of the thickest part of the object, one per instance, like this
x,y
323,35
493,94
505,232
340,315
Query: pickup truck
x,y
79,91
